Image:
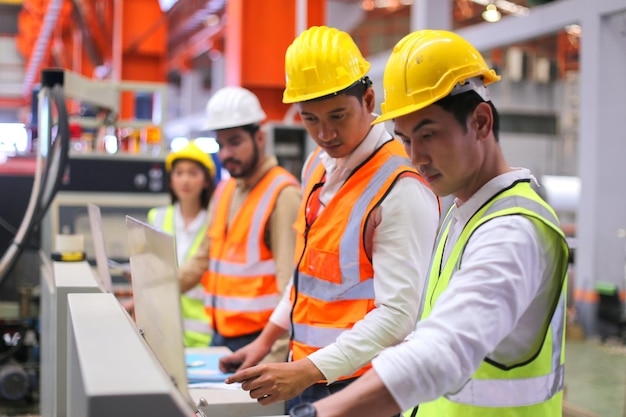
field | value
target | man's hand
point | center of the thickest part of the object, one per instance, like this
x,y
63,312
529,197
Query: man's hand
x,y
243,358
269,383
252,353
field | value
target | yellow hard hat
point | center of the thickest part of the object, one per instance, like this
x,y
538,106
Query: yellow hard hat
x,y
193,153
321,61
426,66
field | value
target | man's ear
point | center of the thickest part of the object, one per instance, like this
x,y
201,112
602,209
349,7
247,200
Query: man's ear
x,y
483,120
369,100
260,137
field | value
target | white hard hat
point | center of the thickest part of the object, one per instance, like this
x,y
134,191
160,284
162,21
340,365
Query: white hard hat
x,y
233,107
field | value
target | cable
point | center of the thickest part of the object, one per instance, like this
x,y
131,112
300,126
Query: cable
x,y
7,226
60,155
53,146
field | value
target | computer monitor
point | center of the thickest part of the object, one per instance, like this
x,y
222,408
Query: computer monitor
x,y
158,315
156,294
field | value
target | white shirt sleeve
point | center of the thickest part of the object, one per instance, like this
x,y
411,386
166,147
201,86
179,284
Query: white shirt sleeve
x,y
281,316
502,287
402,246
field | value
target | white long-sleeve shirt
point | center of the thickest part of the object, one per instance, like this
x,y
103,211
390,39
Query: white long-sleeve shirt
x,y
493,306
401,250
186,234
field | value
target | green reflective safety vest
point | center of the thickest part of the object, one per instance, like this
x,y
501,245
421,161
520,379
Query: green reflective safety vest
x,y
533,388
197,332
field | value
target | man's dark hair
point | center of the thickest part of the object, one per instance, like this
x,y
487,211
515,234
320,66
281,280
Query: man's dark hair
x,y
461,105
356,89
251,128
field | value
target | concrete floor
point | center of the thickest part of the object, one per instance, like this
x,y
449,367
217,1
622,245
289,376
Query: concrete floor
x,y
595,377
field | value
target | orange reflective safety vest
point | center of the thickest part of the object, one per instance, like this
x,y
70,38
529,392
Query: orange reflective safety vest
x,y
240,284
333,284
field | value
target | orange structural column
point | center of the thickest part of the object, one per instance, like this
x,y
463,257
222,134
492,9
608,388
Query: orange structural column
x,y
142,55
257,36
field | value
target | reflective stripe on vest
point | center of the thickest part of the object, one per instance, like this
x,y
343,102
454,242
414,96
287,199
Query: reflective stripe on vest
x,y
333,286
197,326
493,392
497,392
317,337
158,216
196,293
241,279
251,269
243,304
525,389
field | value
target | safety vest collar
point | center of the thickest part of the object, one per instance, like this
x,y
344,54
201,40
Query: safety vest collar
x,y
313,162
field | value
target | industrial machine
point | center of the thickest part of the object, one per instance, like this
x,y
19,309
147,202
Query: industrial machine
x,y
19,376
72,345
49,192
98,361
290,143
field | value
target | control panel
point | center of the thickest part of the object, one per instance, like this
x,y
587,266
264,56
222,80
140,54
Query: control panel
x,y
114,173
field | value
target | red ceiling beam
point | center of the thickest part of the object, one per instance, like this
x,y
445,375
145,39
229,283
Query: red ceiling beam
x,y
200,43
13,102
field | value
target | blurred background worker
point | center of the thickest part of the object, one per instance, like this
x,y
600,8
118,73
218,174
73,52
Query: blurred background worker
x,y
249,246
366,229
191,173
490,339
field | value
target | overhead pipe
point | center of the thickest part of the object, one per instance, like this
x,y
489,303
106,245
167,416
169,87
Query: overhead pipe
x,y
201,42
301,16
186,17
96,41
36,57
116,50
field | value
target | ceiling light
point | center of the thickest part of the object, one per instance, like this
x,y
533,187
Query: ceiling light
x,y
166,4
574,30
211,20
491,13
506,6
368,5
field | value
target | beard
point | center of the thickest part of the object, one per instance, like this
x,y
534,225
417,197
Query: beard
x,y
247,168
